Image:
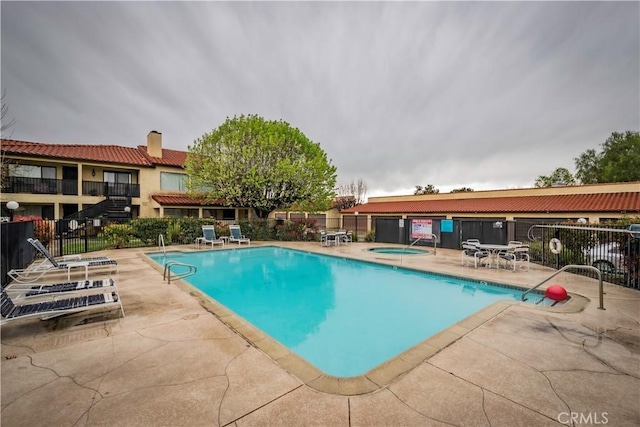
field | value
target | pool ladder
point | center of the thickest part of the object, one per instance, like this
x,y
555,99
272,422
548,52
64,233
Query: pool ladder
x,y
166,275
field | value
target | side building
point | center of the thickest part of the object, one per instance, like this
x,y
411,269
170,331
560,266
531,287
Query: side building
x,y
54,181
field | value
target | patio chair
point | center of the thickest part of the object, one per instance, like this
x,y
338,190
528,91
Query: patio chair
x,y
19,290
209,236
346,237
50,264
471,252
328,239
237,236
53,307
515,255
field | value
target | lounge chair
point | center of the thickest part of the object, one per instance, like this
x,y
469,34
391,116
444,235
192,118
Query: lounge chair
x,y
237,236
19,290
50,264
53,307
209,236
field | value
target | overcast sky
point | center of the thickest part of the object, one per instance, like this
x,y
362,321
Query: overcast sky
x,y
455,94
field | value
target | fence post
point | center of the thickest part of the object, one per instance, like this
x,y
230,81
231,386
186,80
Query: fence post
x,y
86,235
59,235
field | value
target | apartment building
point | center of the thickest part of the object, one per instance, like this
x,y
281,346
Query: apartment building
x,y
56,181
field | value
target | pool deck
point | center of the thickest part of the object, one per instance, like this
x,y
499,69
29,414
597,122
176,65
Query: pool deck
x,y
178,360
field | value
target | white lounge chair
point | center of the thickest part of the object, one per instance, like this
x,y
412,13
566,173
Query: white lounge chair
x,y
36,270
209,236
17,291
237,236
55,306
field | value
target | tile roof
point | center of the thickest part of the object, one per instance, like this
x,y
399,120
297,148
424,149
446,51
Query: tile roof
x,y
102,153
605,202
183,200
169,157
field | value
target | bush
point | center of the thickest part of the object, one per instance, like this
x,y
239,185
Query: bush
x,y
148,229
370,236
43,230
117,235
297,230
258,229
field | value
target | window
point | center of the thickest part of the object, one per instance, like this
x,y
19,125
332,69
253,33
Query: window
x,y
180,213
117,177
31,171
173,181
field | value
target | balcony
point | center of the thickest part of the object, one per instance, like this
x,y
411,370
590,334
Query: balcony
x,y
106,189
17,184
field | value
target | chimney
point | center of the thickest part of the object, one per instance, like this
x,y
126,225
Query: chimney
x,y
154,144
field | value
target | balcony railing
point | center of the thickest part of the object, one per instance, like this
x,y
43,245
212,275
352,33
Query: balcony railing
x,y
97,188
17,184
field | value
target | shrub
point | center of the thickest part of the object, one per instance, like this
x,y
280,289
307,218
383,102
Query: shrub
x,y
148,229
173,232
297,230
117,235
43,230
370,236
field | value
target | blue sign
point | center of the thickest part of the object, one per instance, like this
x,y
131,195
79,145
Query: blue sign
x,y
446,226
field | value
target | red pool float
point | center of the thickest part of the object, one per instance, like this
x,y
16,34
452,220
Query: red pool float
x,y
556,292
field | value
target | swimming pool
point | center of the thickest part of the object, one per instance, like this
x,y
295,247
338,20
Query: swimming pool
x,y
343,316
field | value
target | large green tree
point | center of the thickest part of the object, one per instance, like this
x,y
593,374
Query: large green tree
x,y
560,175
265,165
619,160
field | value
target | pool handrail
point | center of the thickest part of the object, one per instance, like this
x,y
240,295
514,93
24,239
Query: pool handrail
x,y
566,267
166,275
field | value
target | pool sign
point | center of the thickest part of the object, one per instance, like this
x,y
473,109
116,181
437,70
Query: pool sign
x,y
421,228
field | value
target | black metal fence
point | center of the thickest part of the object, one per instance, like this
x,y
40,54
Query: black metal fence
x,y
614,250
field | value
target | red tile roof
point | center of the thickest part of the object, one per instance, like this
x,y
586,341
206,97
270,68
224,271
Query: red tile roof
x,y
169,157
183,200
606,202
102,153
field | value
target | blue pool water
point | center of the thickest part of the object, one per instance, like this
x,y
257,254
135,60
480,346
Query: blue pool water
x,y
343,316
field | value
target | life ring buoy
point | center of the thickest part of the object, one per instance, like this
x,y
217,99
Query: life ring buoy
x,y
555,246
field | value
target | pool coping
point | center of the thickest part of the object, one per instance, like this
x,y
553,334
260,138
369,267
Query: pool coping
x,y
379,376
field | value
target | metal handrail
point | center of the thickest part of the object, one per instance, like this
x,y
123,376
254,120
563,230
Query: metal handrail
x,y
161,244
566,267
166,275
435,242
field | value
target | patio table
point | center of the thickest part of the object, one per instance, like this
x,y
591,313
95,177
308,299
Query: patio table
x,y
493,250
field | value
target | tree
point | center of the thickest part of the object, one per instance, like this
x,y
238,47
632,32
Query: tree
x,y
265,165
619,160
351,194
429,189
588,167
4,109
4,162
462,190
558,176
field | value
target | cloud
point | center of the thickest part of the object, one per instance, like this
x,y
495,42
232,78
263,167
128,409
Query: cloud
x,y
482,95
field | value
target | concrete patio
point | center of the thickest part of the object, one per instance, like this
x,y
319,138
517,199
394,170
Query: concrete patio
x,y
173,362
